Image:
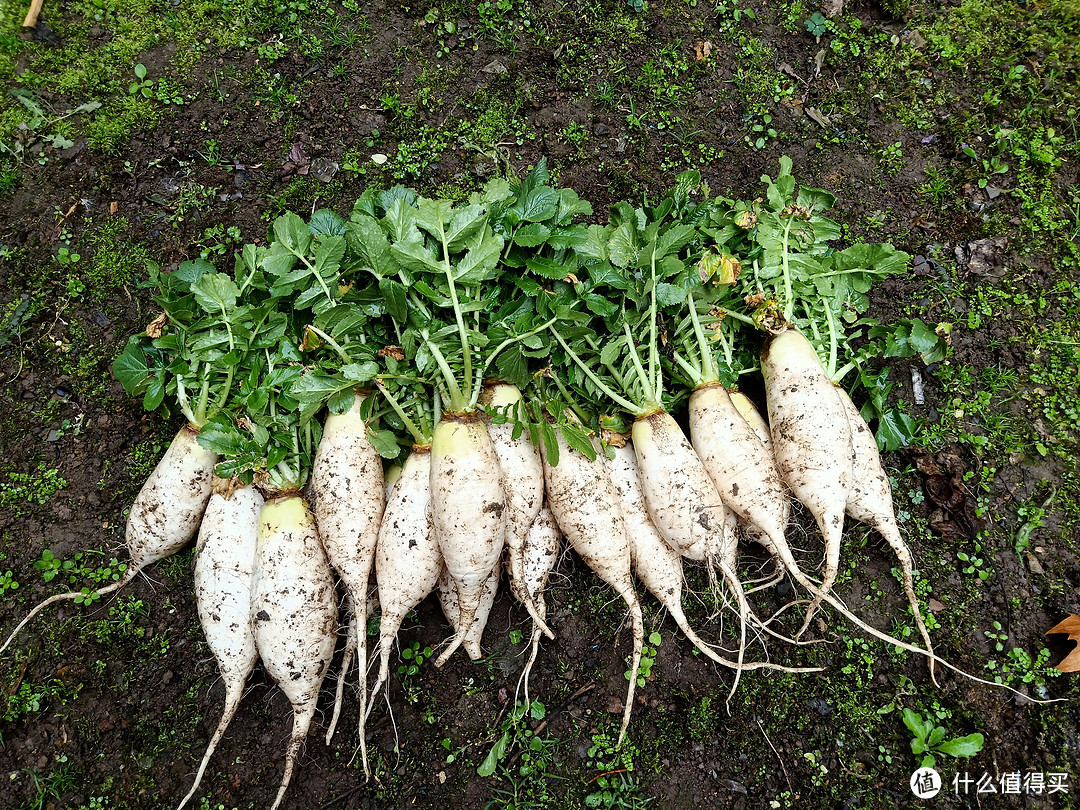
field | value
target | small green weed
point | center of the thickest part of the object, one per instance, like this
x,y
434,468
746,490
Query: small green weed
x,y
929,739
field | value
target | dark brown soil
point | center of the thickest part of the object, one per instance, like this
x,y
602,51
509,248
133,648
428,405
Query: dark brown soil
x,y
131,700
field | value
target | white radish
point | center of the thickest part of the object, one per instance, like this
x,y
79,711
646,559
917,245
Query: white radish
x,y
657,564
293,612
746,408
523,482
407,559
224,563
164,516
585,504
347,490
539,555
684,504
468,509
448,599
743,472
811,438
870,502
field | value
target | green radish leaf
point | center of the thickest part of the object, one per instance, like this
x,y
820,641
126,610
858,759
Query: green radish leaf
x,y
531,235
564,238
216,293
480,262
495,755
465,222
926,341
669,294
537,205
417,257
600,305
529,286
155,392
384,442
548,268
395,294
895,430
621,247
433,215
570,205
360,372
595,246
293,233
130,368
221,436
325,222
551,443
366,238
673,239
512,365
967,746
578,440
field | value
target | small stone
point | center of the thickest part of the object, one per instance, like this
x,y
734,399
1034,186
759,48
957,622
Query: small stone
x,y
494,67
602,129
379,159
936,606
54,436
992,192
100,318
820,705
1034,565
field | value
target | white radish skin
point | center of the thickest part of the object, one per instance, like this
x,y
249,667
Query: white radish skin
x,y
585,504
407,558
224,563
870,502
539,555
658,565
748,411
746,478
468,509
347,491
684,504
811,439
293,612
448,599
164,516
523,482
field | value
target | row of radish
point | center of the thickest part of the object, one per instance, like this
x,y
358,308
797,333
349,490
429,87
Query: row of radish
x,y
397,320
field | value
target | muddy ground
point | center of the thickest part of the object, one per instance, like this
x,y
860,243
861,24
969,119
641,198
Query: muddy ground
x,y
919,120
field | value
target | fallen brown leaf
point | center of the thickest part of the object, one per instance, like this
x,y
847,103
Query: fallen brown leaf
x,y
157,326
1071,627
702,50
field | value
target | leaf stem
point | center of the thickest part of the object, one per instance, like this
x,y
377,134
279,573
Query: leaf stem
x,y
417,435
622,402
460,399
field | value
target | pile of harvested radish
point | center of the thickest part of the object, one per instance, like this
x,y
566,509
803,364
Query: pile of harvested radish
x,y
495,376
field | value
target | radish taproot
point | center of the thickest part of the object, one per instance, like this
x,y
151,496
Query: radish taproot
x,y
164,517
523,482
468,509
407,559
540,552
451,608
812,441
224,566
293,612
584,503
347,491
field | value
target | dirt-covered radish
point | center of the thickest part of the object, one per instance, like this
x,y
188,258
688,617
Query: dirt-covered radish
x,y
539,555
164,516
468,509
523,482
656,563
347,492
742,469
812,441
870,501
684,504
224,565
448,599
407,559
585,504
293,612
748,411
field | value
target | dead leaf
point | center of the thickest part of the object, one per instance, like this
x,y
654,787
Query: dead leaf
x,y
936,606
392,351
819,119
954,515
832,8
702,50
983,257
157,326
1070,626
